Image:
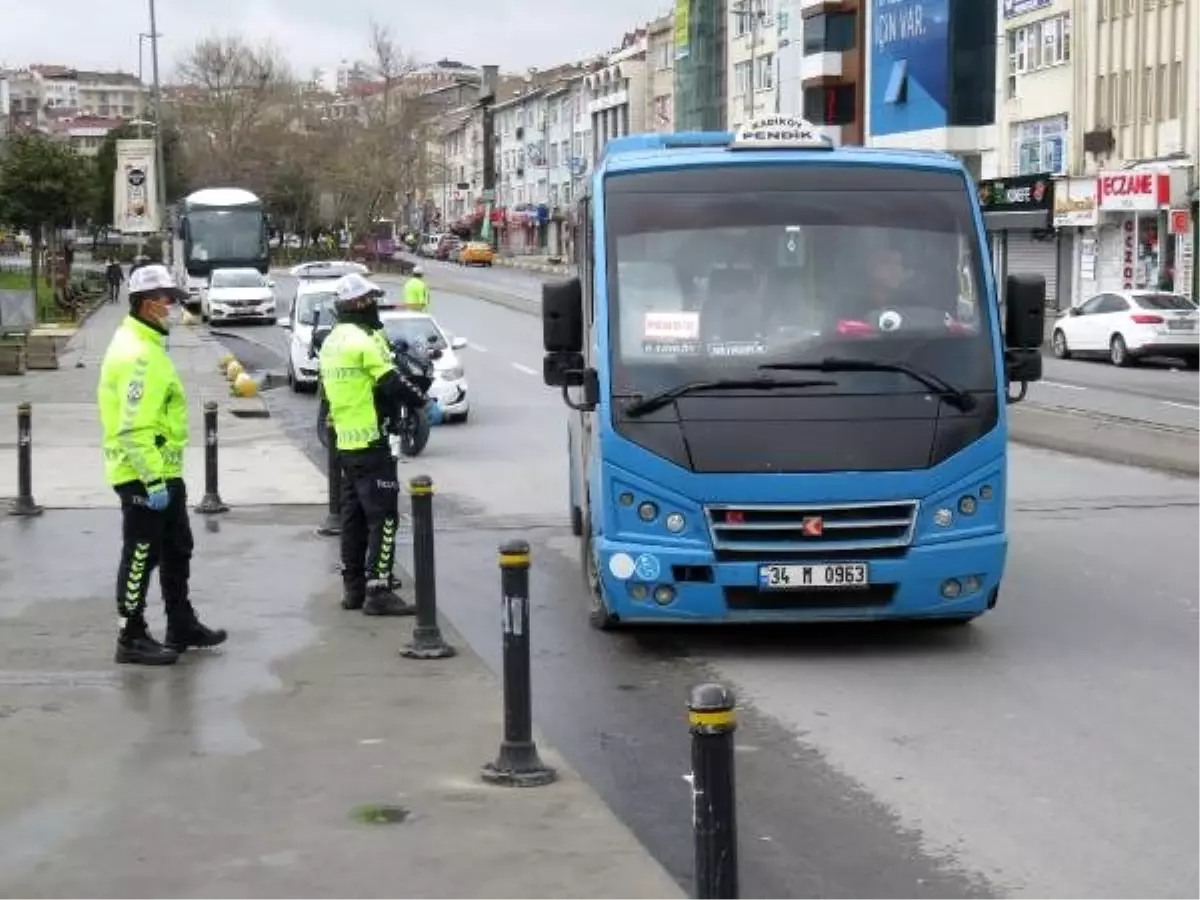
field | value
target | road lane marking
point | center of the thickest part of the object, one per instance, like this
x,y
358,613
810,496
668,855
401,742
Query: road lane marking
x,y
1193,407
1065,387
478,347
525,369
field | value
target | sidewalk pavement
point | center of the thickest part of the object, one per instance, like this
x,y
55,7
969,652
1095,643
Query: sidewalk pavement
x,y
534,264
254,770
258,464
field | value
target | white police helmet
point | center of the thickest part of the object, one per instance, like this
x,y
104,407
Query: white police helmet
x,y
418,271
353,291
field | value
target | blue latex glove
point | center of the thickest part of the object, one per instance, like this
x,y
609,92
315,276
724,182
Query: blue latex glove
x,y
433,411
158,498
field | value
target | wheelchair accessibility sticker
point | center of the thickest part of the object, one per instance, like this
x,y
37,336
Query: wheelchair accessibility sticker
x,y
647,567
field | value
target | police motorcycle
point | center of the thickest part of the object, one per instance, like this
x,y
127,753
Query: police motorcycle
x,y
408,433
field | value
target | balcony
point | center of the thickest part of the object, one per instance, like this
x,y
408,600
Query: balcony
x,y
821,65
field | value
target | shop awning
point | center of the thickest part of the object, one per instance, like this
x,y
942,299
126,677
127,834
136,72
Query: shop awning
x,y
1016,220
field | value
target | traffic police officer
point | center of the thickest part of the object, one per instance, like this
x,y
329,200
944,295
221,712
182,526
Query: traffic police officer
x,y
364,390
144,416
416,292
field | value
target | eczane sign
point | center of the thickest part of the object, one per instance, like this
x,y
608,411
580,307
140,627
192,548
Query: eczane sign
x,y
1132,191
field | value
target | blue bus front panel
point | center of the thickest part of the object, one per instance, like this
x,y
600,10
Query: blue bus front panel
x,y
936,553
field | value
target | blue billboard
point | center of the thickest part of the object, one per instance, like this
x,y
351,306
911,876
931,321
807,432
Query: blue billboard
x,y
910,66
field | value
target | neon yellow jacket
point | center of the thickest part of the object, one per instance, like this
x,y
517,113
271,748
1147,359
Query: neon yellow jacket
x,y
352,362
143,408
416,294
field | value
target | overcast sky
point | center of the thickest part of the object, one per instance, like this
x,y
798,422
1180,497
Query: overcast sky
x,y
514,34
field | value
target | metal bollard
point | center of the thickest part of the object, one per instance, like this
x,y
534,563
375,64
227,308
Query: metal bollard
x,y
518,763
23,505
332,525
714,812
211,502
427,641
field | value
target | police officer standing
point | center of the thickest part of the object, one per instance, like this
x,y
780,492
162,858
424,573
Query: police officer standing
x,y
416,292
144,415
364,391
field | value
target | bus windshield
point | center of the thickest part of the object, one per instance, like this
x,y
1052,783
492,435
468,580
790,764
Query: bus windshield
x,y
713,272
226,234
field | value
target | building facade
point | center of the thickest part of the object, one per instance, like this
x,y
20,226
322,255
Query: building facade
x,y
660,74
38,94
701,55
751,64
617,92
820,48
931,78
1137,102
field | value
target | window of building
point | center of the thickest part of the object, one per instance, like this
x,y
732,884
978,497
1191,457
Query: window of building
x,y
830,105
741,78
662,111
1125,113
1039,145
1039,45
1175,92
664,59
764,75
746,12
830,33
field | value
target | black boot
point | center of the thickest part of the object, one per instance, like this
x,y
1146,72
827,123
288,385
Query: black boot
x,y
194,633
353,596
136,646
383,601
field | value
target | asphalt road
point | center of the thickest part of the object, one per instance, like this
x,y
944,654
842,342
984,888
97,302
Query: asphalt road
x,y
1048,750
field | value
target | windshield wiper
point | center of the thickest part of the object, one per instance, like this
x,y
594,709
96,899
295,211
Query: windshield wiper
x,y
644,405
955,396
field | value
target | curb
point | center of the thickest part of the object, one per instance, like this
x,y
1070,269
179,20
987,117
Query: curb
x,y
546,268
252,407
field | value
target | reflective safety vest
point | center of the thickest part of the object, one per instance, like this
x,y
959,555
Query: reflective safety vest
x,y
352,361
143,408
416,295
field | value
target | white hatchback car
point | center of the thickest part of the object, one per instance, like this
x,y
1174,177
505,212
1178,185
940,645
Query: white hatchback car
x,y
450,384
238,294
1126,325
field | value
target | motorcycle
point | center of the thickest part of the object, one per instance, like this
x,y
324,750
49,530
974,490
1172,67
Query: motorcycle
x,y
408,433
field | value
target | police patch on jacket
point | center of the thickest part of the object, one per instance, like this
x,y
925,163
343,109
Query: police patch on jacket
x,y
135,391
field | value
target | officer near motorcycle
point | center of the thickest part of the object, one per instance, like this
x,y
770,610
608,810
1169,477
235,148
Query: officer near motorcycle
x,y
365,391
144,418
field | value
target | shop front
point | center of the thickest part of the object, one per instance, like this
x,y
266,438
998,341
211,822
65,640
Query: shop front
x,y
1075,220
1135,248
1017,213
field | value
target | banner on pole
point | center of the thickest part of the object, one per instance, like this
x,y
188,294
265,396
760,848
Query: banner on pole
x,y
135,210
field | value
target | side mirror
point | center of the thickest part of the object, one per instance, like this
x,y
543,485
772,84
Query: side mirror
x,y
562,316
458,343
562,369
1073,311
271,283
1025,299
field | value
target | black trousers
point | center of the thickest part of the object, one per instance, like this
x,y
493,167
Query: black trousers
x,y
155,540
370,507
114,291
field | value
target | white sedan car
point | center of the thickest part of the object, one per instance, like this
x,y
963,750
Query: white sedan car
x,y
313,302
238,294
450,382
1127,325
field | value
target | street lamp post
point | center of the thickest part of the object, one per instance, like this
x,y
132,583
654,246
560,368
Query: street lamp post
x,y
160,181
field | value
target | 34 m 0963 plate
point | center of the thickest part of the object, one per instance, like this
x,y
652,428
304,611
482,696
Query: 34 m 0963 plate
x,y
814,575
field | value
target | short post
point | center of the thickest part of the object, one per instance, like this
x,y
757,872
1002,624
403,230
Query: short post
x,y
427,641
518,763
23,505
211,502
332,526
714,812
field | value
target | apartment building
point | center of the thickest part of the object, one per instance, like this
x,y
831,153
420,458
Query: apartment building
x,y
617,93
660,74
36,91
458,190
753,37
821,69
1137,102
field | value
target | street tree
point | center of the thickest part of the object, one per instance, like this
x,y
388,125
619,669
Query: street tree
x,y
44,186
231,102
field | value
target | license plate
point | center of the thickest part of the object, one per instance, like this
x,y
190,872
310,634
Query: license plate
x,y
1182,325
818,575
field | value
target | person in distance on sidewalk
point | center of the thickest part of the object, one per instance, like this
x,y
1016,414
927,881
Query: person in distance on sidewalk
x,y
364,389
144,417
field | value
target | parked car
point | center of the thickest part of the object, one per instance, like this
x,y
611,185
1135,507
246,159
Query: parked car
x,y
429,245
312,305
450,384
456,252
238,294
1128,325
477,253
